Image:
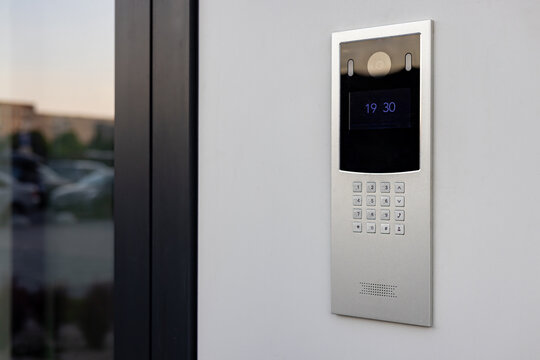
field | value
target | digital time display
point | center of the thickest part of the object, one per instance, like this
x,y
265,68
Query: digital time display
x,y
380,109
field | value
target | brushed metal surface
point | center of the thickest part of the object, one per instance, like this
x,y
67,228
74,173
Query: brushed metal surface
x,y
365,265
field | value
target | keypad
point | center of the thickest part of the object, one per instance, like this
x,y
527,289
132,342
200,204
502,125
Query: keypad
x,y
385,207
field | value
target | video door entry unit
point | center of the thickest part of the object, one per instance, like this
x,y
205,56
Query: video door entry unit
x,y
381,173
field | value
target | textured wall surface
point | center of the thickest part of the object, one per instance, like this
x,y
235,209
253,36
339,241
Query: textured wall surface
x,y
264,245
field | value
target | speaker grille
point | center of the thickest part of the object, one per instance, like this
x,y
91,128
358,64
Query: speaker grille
x,y
375,289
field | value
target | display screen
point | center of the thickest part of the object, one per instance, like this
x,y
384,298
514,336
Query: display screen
x,y
380,109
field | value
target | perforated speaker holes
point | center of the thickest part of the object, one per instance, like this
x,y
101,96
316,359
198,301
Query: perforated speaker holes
x,y
374,289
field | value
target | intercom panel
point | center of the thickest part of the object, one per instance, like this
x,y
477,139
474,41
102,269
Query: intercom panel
x,y
381,173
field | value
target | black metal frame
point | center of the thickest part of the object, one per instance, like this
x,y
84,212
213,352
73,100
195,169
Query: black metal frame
x,y
156,179
132,198
174,177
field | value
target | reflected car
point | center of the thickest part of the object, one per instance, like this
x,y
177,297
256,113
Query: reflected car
x,y
90,197
75,170
29,169
23,198
25,170
50,178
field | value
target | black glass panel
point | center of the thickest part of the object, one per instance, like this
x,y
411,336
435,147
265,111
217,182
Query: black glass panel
x,y
380,116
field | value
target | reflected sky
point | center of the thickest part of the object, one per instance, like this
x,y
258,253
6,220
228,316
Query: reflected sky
x,y
58,55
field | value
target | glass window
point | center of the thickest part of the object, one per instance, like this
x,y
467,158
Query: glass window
x,y
56,179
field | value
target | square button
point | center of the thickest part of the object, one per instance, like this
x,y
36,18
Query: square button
x,y
357,226
370,214
385,200
400,201
399,187
399,215
357,186
371,200
385,187
399,229
357,213
385,228
357,200
370,228
385,214
371,187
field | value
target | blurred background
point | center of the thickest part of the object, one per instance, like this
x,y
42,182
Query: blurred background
x,y
56,179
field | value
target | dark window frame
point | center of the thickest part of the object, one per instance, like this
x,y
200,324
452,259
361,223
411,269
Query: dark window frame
x,y
156,141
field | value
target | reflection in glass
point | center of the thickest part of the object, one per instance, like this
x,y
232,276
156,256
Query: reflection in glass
x,y
56,179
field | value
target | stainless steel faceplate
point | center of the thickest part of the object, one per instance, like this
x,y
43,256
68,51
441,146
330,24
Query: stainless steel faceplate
x,y
379,275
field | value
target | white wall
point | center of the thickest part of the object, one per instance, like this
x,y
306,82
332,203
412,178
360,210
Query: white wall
x,y
264,227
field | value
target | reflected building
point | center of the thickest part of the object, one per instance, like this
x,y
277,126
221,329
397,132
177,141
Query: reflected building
x,y
21,117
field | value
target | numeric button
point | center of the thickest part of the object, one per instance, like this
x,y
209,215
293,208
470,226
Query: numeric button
x,y
385,214
385,200
371,200
370,228
371,186
357,213
357,186
357,200
370,214
385,187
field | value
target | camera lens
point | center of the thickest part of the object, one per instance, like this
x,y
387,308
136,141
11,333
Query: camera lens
x,y
379,64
